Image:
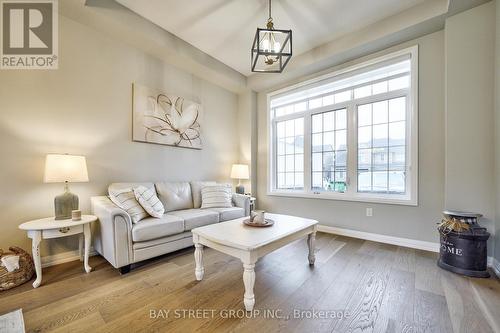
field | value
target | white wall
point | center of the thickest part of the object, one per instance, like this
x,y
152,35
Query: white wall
x,y
84,107
469,58
247,140
394,220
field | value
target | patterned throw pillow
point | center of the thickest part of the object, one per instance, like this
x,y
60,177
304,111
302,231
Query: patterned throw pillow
x,y
149,201
125,199
216,196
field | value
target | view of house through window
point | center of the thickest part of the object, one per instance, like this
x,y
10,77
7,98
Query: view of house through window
x,y
290,153
349,135
329,150
382,146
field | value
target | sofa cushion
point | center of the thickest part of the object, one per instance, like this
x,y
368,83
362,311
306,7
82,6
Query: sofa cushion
x,y
226,214
162,240
196,187
194,218
174,195
152,228
122,186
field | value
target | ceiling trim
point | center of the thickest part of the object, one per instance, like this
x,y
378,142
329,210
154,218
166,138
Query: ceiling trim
x,y
111,18
117,20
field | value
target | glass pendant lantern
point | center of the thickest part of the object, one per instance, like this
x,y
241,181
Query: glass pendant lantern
x,y
271,49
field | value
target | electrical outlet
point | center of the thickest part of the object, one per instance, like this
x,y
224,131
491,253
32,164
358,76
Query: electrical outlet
x,y
369,212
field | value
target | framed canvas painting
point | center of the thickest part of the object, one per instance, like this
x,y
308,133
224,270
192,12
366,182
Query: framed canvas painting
x,y
165,119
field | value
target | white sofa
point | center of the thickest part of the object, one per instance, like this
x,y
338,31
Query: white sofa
x,y
123,243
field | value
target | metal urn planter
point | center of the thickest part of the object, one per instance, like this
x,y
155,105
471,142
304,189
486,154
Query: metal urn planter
x,y
463,244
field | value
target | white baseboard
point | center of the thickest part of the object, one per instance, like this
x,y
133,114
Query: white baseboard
x,y
406,242
489,261
495,265
64,257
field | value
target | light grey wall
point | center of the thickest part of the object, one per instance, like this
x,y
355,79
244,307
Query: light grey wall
x,y
247,140
469,117
84,107
394,220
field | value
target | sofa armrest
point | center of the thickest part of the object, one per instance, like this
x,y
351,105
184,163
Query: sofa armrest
x,y
242,201
113,237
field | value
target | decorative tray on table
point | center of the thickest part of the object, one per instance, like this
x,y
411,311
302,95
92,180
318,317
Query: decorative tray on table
x,y
267,223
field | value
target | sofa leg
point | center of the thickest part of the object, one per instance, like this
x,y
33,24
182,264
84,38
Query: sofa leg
x,y
124,269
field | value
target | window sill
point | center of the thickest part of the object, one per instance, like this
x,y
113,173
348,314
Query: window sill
x,y
399,200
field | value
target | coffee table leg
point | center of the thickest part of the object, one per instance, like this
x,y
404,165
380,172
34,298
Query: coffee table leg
x,y
311,240
249,281
198,259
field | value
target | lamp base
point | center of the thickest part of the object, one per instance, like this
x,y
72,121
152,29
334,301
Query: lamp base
x,y
240,189
64,204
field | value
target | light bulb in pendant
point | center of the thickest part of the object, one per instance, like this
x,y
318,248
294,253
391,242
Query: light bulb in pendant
x,y
277,47
265,44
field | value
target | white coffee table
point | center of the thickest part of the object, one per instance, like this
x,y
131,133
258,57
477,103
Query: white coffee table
x,y
48,228
250,243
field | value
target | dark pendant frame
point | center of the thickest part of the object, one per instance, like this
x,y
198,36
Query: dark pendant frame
x,y
256,52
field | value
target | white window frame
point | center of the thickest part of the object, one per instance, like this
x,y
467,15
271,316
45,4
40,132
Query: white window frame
x,y
411,196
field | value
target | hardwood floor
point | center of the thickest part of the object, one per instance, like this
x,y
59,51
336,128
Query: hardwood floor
x,y
355,286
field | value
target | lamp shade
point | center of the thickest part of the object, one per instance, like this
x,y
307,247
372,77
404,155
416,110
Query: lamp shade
x,y
65,168
239,171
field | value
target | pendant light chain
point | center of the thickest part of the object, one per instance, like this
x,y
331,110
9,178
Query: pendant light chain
x,y
270,24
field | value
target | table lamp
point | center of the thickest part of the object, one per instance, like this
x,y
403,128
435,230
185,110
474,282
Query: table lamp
x,y
65,169
240,171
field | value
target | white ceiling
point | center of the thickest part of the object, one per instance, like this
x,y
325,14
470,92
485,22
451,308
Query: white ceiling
x,y
224,29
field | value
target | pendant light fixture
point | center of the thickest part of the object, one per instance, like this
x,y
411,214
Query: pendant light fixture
x,y
271,49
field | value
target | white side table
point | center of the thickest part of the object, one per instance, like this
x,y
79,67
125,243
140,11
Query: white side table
x,y
50,228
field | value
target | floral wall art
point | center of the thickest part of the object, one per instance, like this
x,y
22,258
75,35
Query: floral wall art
x,y
165,119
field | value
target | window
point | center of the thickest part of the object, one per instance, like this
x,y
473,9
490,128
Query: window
x,y
290,154
329,150
382,146
348,135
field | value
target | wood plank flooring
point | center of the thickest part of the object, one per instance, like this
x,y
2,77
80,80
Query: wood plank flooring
x,y
355,286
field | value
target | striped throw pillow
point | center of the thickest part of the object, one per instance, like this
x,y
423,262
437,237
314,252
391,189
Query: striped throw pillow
x,y
216,196
149,201
125,199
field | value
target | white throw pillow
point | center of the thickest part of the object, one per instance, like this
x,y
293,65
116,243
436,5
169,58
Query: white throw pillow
x,y
216,196
125,199
149,201
196,187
